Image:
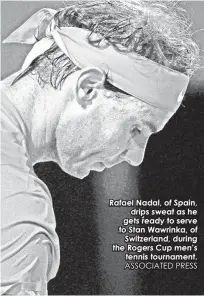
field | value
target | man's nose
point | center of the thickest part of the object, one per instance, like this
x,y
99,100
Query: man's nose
x,y
136,150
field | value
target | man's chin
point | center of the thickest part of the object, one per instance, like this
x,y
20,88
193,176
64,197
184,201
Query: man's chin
x,y
83,173
77,173
81,176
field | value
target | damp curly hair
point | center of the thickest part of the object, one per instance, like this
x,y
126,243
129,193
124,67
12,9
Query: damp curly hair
x,y
158,30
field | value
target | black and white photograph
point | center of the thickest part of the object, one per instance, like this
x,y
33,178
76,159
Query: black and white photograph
x,y
102,147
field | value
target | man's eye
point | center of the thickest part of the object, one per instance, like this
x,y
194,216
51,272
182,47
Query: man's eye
x,y
136,130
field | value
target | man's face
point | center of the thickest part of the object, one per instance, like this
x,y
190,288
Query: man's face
x,y
109,131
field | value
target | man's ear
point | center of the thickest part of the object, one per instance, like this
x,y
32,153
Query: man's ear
x,y
89,82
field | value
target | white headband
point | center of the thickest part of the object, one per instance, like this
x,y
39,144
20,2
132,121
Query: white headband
x,y
142,78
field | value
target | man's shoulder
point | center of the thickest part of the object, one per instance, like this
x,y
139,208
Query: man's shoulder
x,y
9,114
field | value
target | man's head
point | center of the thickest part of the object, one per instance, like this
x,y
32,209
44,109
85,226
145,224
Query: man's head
x,y
102,125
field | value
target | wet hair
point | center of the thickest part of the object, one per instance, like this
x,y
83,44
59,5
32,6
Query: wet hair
x,y
158,30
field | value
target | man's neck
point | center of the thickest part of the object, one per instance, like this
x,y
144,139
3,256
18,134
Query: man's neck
x,y
40,109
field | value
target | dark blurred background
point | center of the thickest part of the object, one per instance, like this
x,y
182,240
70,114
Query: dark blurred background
x,y
87,227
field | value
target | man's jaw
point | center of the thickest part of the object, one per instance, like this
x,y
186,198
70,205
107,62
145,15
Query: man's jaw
x,y
82,169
